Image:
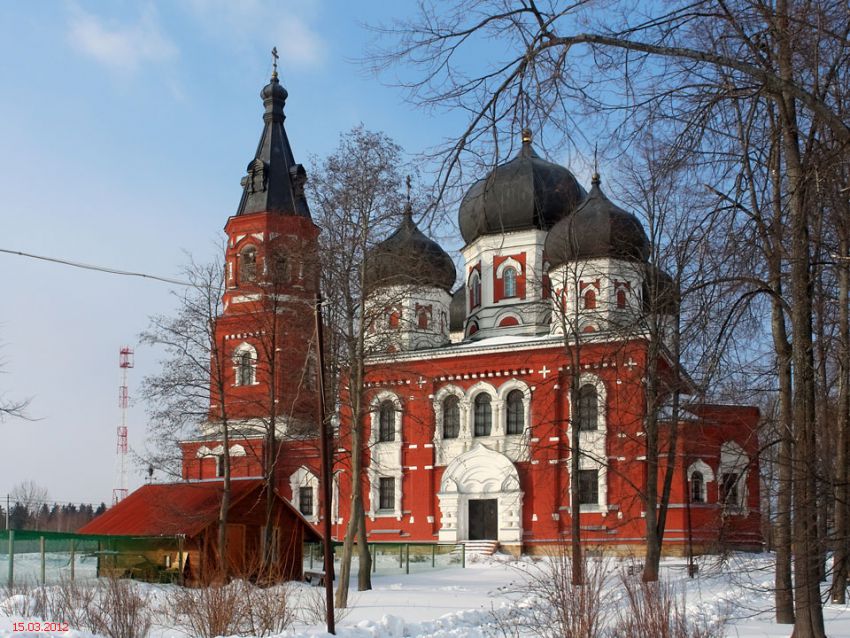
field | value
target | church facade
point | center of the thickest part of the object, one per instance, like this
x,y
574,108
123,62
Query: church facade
x,y
559,322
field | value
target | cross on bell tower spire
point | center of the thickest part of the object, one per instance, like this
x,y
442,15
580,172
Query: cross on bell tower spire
x,y
275,57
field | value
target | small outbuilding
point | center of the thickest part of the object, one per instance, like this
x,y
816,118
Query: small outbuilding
x,y
189,512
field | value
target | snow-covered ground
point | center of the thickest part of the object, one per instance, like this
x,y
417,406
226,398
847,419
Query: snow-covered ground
x,y
474,602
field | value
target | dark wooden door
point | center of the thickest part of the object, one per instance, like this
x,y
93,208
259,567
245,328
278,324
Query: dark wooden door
x,y
483,519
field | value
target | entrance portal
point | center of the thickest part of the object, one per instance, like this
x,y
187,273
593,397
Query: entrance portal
x,y
483,519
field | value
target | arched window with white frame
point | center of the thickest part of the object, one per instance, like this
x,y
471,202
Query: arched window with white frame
x,y
515,412
245,365
451,417
482,415
305,493
699,476
386,422
587,409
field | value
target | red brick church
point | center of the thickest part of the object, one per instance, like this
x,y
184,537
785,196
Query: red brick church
x,y
469,383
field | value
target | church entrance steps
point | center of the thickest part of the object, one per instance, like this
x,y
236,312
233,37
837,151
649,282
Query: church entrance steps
x,y
479,548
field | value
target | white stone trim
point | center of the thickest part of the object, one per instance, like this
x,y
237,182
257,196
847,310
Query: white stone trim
x,y
593,443
303,477
374,493
480,473
733,459
707,476
510,262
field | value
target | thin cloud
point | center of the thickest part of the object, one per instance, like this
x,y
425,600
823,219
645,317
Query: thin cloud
x,y
283,24
121,47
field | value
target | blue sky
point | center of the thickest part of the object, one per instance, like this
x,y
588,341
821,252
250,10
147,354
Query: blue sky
x,y
125,128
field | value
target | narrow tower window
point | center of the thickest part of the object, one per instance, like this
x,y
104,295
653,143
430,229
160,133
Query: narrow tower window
x,y
590,300
248,265
245,360
474,289
509,282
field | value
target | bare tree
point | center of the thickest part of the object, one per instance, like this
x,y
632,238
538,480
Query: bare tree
x,y
356,198
34,499
557,62
190,393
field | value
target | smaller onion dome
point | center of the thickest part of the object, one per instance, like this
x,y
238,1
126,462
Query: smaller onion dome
x,y
457,310
409,258
597,228
524,193
660,293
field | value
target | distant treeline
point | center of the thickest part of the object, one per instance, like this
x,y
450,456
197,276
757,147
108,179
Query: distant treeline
x,y
50,518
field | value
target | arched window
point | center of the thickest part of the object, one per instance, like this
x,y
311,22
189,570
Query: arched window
x,y
423,320
245,369
587,412
697,488
509,282
248,265
451,417
474,289
590,300
483,415
516,413
386,422
621,298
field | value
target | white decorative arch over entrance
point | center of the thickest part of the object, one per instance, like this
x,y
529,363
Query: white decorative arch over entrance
x,y
481,474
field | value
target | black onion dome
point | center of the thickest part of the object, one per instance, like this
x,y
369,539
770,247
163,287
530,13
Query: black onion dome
x,y
597,228
457,310
523,193
409,258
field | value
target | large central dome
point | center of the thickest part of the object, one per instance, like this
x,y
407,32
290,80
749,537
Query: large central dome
x,y
524,193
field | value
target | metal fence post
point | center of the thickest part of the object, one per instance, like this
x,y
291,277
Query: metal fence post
x,y
407,557
11,558
462,555
374,559
400,556
73,558
41,553
433,556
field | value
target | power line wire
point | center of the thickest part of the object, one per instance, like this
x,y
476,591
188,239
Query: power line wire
x,y
111,271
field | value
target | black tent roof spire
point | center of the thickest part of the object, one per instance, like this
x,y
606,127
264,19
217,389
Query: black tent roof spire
x,y
274,183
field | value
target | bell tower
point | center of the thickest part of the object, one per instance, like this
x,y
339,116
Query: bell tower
x,y
266,333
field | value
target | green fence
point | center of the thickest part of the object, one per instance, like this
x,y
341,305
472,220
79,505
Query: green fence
x,y
393,558
35,557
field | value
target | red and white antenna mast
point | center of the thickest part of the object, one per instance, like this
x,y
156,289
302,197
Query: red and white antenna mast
x,y
125,362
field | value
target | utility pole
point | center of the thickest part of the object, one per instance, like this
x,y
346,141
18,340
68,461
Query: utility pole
x,y
325,452
7,512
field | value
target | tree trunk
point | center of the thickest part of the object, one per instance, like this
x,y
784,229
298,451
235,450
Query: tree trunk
x,y
842,529
364,567
783,585
809,611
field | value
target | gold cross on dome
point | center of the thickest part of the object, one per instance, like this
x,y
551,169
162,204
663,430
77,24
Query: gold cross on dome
x,y
275,57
